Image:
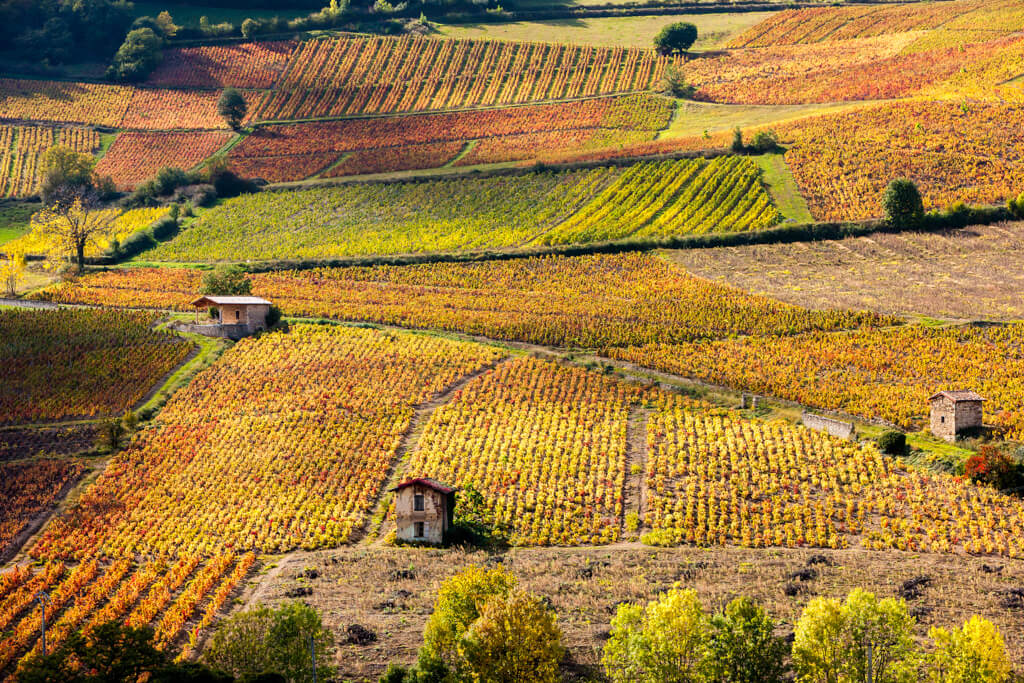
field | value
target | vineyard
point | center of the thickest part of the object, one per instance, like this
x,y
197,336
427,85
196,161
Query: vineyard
x,y
178,598
136,157
383,75
22,149
883,373
280,153
545,444
588,301
653,199
101,105
157,109
27,489
245,65
714,478
79,362
966,274
306,423
969,152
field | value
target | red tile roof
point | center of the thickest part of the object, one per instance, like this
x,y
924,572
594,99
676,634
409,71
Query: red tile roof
x,y
427,482
956,396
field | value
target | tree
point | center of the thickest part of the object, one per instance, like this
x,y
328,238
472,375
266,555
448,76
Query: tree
x,y
666,642
673,83
71,226
65,174
226,281
743,647
272,640
138,55
232,107
675,38
474,524
832,640
902,204
459,602
515,639
12,270
737,140
974,654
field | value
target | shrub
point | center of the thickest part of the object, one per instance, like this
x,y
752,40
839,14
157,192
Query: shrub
x,y
974,654
832,640
226,281
138,55
249,28
264,639
902,204
515,639
673,82
765,141
665,641
892,442
992,466
737,140
168,179
675,38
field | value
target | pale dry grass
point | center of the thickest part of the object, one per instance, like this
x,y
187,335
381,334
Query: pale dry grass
x,y
974,273
391,590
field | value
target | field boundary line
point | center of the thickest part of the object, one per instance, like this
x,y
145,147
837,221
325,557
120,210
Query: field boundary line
x,y
634,484
372,528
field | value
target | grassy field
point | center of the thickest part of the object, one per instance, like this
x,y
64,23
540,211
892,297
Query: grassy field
x,y
714,30
14,219
696,118
783,188
974,273
585,584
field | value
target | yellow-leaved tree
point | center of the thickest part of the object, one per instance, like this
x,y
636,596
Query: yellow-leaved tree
x,y
975,653
66,228
12,270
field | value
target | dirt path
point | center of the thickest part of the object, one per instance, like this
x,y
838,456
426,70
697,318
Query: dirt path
x,y
634,486
22,303
373,529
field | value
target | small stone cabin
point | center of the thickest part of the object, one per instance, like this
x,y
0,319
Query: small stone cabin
x,y
240,316
424,510
953,412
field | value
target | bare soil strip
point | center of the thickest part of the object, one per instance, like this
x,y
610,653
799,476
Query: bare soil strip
x,y
634,493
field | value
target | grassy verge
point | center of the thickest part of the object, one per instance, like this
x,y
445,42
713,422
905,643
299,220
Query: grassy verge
x,y
210,349
15,219
783,188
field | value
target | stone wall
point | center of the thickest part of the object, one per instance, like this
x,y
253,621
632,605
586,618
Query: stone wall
x,y
844,430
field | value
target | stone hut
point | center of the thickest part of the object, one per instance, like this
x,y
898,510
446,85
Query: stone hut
x,y
239,316
424,510
954,411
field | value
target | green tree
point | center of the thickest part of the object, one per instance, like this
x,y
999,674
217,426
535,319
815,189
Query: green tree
x,y
975,653
832,641
65,174
459,602
902,204
232,107
266,639
675,38
743,647
666,642
138,55
226,281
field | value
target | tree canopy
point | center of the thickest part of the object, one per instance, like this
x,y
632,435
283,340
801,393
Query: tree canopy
x,y
675,38
138,55
232,107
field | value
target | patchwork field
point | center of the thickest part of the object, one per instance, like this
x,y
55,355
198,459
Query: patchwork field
x,y
280,153
136,157
22,148
974,273
655,199
589,301
26,490
79,363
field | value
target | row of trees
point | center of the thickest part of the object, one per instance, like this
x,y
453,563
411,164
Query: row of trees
x,y
62,31
486,629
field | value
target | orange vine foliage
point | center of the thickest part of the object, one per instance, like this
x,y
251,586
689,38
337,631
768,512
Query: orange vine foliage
x,y
245,65
136,157
26,489
283,443
586,301
60,364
